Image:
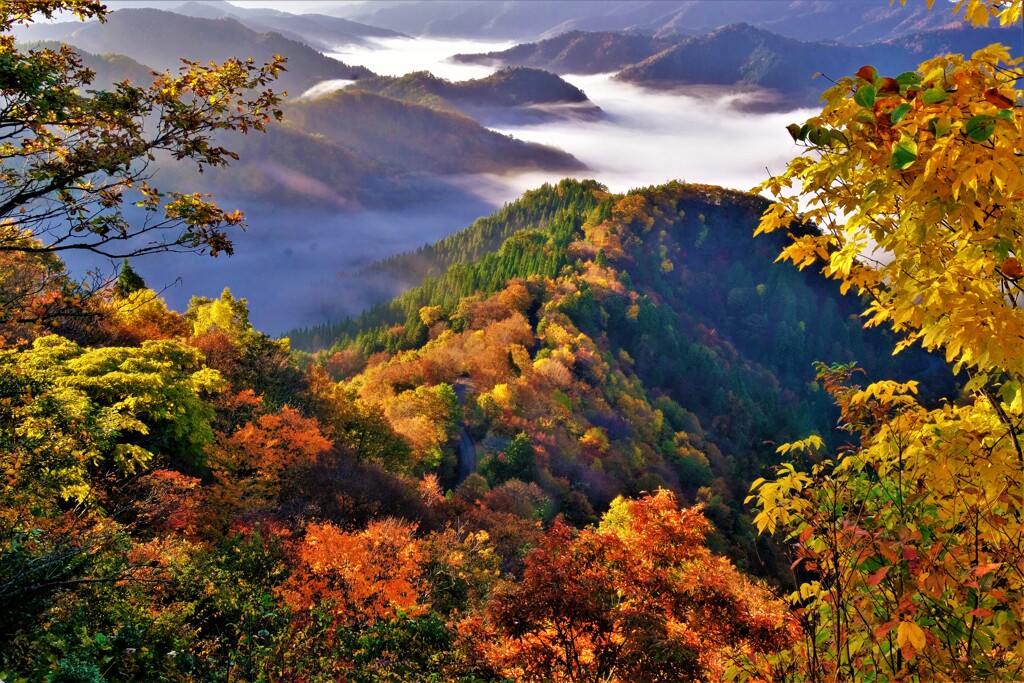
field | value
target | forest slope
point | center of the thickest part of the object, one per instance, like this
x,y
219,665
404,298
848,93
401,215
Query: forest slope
x,y
636,340
418,138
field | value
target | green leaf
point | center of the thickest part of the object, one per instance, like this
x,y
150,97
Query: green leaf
x,y
980,128
794,131
838,137
1008,392
934,96
865,96
904,154
1005,115
899,112
908,79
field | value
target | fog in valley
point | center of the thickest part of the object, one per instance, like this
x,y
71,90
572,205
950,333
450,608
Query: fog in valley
x,y
299,267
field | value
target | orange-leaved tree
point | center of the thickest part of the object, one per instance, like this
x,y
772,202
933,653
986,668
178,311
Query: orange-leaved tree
x,y
638,598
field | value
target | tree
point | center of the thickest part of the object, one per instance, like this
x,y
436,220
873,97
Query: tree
x,y
69,416
72,157
359,577
639,598
128,281
909,540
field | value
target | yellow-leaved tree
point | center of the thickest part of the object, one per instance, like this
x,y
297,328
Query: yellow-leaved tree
x,y
910,541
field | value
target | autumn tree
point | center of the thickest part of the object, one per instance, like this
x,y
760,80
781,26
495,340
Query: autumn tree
x,y
76,423
909,540
254,464
72,158
638,598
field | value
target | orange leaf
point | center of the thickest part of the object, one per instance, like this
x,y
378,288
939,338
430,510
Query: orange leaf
x,y
993,96
981,612
889,86
1011,268
983,569
885,628
910,634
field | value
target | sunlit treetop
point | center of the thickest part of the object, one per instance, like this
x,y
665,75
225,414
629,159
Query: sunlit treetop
x,y
22,11
916,182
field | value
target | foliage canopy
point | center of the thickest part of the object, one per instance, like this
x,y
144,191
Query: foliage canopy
x,y
909,540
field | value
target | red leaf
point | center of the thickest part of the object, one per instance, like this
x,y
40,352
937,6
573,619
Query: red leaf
x,y
981,612
1011,268
889,86
885,628
868,73
877,577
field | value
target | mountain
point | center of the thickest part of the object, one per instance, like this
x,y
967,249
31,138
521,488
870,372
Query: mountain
x,y
355,149
746,56
159,39
416,138
577,52
300,169
637,340
511,94
320,31
847,21
109,68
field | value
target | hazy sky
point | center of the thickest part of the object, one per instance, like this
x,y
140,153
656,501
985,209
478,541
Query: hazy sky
x,y
294,6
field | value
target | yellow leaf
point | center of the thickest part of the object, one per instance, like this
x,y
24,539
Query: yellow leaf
x,y
912,634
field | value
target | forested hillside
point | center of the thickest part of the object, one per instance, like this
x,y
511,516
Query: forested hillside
x,y
184,499
652,308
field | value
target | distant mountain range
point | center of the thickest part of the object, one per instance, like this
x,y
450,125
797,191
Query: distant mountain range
x,y
347,149
577,52
320,31
387,140
851,21
738,55
159,39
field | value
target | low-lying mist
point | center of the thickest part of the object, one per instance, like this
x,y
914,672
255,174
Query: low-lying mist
x,y
301,267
